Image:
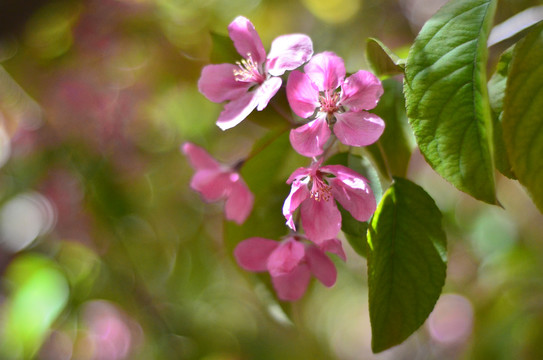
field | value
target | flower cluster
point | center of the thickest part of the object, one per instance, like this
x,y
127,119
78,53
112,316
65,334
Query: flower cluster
x,y
331,106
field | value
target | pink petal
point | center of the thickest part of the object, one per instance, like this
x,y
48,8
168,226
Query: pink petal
x,y
321,219
218,84
288,52
342,172
266,91
355,195
292,286
361,91
309,139
239,202
334,246
237,110
212,184
246,39
302,94
286,257
252,254
358,128
321,266
326,70
298,193
199,158
298,174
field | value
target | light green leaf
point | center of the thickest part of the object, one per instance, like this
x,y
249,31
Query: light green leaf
x,y
446,96
496,93
382,60
522,119
40,292
391,153
406,263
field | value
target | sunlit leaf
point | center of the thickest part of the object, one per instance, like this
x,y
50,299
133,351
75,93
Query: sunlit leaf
x,y
446,96
496,92
382,60
522,114
406,263
392,151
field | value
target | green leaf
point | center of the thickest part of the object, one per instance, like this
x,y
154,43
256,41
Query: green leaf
x,y
354,231
496,93
392,152
522,119
382,60
223,50
446,96
406,263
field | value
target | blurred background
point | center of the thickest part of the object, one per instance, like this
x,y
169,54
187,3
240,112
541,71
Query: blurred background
x,y
106,253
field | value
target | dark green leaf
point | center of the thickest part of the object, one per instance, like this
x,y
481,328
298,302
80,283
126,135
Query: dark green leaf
x,y
355,232
223,50
393,150
496,92
522,113
446,96
382,60
406,263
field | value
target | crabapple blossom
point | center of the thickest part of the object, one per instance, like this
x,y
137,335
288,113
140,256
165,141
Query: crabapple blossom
x,y
314,190
215,181
323,95
253,81
290,262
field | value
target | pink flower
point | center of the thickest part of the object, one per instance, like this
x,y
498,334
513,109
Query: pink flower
x,y
215,182
290,262
255,80
322,95
314,190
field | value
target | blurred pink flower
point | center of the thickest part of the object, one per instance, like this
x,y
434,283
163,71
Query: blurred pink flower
x,y
314,190
255,80
290,262
216,181
322,94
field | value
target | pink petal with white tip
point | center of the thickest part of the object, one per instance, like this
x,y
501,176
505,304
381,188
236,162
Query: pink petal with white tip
x,y
326,70
246,39
287,52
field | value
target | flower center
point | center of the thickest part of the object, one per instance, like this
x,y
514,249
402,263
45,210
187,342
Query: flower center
x,y
248,71
329,102
319,189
